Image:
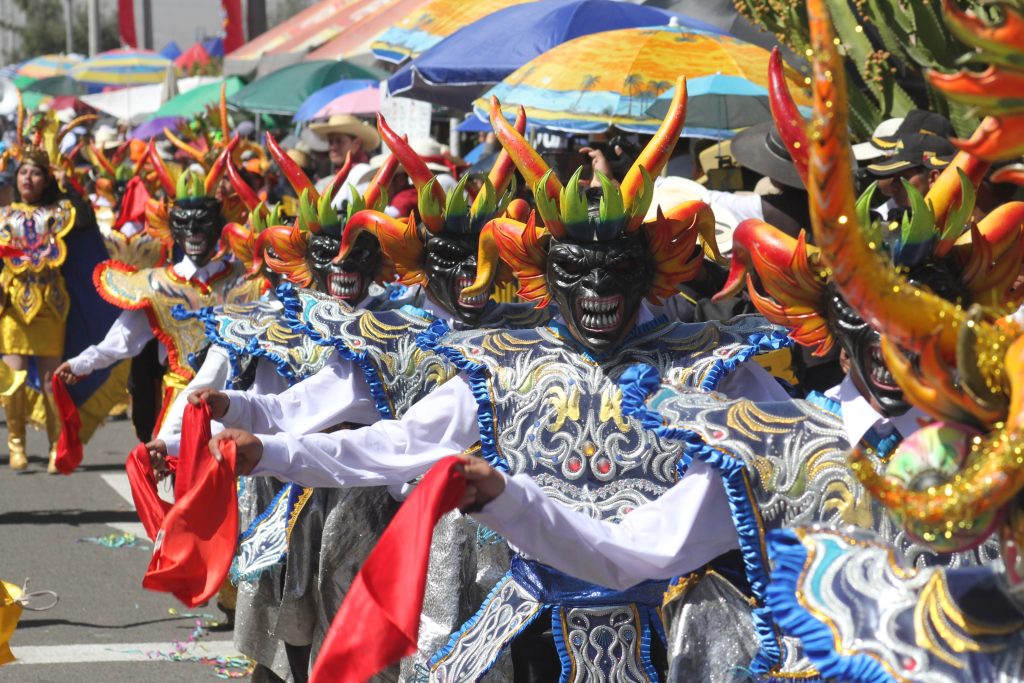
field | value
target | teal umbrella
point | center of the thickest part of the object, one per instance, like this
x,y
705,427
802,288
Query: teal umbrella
x,y
194,102
283,91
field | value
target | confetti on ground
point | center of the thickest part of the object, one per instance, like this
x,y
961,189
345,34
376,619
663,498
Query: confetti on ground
x,y
116,541
190,649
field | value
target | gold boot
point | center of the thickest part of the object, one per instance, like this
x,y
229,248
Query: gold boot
x,y
14,406
52,432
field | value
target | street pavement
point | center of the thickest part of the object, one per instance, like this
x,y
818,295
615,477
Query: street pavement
x,y
105,628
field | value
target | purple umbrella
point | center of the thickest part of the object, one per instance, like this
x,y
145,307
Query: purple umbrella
x,y
154,128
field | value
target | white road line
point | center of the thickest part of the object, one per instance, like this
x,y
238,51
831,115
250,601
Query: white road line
x,y
119,482
114,652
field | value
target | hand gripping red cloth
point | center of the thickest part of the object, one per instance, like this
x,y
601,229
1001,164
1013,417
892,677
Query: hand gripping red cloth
x,y
379,620
195,545
69,447
151,508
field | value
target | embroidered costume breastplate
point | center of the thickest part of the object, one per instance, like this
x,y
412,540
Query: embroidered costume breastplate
x,y
549,410
32,279
158,290
256,329
383,344
782,464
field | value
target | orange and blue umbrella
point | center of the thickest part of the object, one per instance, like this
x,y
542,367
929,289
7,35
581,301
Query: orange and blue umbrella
x,y
611,79
435,20
122,67
48,65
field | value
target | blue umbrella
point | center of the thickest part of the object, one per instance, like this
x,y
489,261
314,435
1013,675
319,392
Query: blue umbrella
x,y
719,105
477,56
320,98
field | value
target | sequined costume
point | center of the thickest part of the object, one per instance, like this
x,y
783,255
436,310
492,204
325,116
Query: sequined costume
x,y
861,612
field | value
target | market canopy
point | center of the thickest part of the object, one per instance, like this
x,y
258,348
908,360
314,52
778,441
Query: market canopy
x,y
353,23
435,20
284,91
194,101
135,103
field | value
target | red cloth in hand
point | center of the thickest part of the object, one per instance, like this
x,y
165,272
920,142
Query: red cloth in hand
x,y
69,446
193,451
379,620
151,507
195,545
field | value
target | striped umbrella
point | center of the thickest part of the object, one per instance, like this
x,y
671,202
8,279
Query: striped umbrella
x,y
122,67
48,65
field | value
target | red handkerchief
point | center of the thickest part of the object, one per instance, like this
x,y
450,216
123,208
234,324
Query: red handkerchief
x,y
152,509
379,620
69,447
196,542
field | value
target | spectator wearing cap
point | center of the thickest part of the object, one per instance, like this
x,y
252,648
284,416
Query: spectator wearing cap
x,y
918,159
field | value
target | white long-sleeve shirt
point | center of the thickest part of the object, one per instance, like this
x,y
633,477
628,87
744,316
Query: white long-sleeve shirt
x,y
397,451
666,537
131,330
647,544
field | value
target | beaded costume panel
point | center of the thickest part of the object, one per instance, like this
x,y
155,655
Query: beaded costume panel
x,y
867,616
33,280
158,290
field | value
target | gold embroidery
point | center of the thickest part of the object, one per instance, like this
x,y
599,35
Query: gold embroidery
x,y
611,408
566,405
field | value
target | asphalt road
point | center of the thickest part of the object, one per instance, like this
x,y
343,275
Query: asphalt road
x,y
105,628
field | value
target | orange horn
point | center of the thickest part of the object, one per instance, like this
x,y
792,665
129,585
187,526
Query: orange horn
x,y
525,157
654,156
790,124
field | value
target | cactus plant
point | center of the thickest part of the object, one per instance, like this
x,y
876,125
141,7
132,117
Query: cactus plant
x,y
887,43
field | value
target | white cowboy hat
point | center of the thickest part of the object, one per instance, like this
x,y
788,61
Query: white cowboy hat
x,y
672,190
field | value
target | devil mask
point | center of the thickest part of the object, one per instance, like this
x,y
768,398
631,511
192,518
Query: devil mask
x,y
443,252
598,286
196,224
349,278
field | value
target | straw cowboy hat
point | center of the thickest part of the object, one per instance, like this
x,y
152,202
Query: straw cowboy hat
x,y
346,124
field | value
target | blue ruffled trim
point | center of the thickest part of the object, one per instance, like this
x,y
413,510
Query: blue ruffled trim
x,y
756,345
454,638
293,316
208,316
558,635
790,556
648,618
637,383
479,384
430,339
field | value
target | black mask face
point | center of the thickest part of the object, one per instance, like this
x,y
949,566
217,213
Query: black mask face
x,y
450,265
349,279
598,287
196,225
863,344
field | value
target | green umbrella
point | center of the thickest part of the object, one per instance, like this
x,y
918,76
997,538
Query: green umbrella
x,y
56,85
195,101
21,82
283,91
